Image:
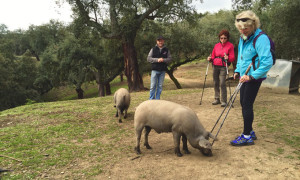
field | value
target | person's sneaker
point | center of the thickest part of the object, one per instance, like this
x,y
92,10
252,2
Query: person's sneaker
x,y
217,101
242,141
253,136
223,104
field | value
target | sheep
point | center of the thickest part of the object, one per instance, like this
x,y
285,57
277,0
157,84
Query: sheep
x,y
122,102
166,116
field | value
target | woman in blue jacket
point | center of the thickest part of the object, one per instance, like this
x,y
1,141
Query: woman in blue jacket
x,y
248,24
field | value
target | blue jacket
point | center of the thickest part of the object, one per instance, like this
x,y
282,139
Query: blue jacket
x,y
246,51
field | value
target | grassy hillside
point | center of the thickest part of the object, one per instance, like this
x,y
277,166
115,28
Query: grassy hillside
x,y
81,138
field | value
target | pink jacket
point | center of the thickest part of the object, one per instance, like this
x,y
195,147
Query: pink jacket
x,y
218,53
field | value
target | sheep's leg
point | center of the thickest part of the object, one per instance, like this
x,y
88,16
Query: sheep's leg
x,y
138,132
147,131
125,115
184,143
119,115
176,137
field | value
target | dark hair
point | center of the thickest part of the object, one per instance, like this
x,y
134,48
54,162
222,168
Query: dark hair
x,y
224,32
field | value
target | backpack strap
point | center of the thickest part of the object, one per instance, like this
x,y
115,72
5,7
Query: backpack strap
x,y
254,42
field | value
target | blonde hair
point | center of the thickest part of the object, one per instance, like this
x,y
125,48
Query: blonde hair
x,y
253,21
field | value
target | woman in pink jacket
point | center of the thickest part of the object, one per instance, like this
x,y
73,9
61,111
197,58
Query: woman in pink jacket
x,y
222,54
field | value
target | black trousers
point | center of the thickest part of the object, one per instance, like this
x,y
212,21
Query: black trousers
x,y
248,93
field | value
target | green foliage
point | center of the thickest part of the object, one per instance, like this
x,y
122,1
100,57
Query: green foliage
x,y
41,37
146,39
183,40
49,67
74,60
280,19
7,47
29,101
16,81
86,57
26,71
209,27
283,22
240,5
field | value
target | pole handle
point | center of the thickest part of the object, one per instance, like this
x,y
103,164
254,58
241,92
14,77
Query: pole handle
x,y
248,69
207,68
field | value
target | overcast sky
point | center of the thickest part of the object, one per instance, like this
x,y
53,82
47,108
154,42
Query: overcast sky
x,y
20,14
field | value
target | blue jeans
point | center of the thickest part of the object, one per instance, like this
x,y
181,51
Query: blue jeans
x,y
157,80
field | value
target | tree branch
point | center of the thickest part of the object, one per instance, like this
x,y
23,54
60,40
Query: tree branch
x,y
187,59
150,10
85,16
113,16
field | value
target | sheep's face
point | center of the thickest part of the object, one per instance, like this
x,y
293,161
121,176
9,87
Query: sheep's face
x,y
205,147
206,151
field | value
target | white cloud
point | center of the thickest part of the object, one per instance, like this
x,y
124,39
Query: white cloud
x,y
20,14
213,5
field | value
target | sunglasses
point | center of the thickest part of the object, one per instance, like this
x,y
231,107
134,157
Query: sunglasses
x,y
243,19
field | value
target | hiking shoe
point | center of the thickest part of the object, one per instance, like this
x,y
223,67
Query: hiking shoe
x,y
253,136
242,141
217,101
223,104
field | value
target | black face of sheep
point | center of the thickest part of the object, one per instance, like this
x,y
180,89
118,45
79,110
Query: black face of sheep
x,y
205,146
206,152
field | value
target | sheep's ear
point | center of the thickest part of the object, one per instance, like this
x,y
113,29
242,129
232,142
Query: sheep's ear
x,y
212,136
204,143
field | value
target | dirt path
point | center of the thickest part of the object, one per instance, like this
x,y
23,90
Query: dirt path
x,y
260,161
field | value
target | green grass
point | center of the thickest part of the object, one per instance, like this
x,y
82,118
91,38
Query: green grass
x,y
56,134
279,125
90,90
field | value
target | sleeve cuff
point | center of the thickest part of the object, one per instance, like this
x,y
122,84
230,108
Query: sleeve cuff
x,y
251,77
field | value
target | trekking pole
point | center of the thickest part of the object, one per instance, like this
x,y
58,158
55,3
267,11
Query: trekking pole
x,y
231,103
228,76
235,94
204,82
230,100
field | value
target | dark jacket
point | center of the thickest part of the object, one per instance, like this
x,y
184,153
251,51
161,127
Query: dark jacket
x,y
156,53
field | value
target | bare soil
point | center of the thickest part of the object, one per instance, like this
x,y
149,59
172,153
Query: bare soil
x,y
269,158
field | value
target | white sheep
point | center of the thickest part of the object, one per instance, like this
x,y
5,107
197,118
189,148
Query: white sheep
x,y
122,102
166,116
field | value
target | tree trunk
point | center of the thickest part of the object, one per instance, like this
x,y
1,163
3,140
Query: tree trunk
x,y
101,90
121,77
35,55
134,79
174,66
171,75
107,89
79,93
